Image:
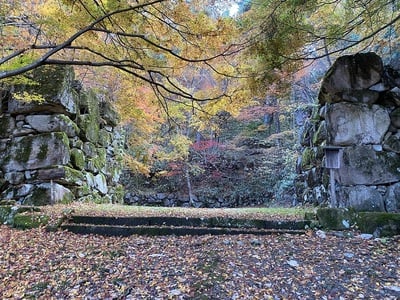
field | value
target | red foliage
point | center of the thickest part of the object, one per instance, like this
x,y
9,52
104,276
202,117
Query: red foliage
x,y
255,112
205,145
216,174
175,168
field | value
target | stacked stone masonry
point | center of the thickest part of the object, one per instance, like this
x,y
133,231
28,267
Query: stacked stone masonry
x,y
358,111
65,148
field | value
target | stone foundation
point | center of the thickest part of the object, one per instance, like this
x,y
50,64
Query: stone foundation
x,y
66,148
359,109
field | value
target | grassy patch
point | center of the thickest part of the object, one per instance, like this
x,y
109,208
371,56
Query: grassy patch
x,y
91,209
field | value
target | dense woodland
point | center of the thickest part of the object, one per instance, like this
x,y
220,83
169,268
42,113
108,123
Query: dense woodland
x,y
212,94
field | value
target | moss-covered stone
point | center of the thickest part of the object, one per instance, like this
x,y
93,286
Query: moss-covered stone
x,y
109,114
43,151
78,159
101,159
309,159
8,202
24,149
28,221
94,198
89,118
335,218
39,197
52,85
320,135
7,125
104,138
49,193
33,152
379,223
90,128
118,195
5,211
73,176
82,191
382,223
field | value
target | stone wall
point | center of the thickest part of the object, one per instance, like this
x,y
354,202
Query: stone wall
x,y
62,149
359,111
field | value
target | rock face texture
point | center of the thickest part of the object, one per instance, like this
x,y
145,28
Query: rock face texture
x,y
62,149
358,115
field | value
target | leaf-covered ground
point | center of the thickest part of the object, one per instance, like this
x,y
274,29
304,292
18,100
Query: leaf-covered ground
x,y
60,265
148,211
56,212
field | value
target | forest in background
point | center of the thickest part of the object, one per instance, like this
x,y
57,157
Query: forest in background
x,y
212,93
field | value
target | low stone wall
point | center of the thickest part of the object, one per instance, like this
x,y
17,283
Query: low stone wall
x,y
359,111
63,149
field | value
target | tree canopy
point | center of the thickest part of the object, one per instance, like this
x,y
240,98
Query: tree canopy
x,y
154,41
158,41
287,35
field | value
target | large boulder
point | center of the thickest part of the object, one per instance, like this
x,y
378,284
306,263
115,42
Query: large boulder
x,y
364,165
48,193
53,123
361,198
54,85
37,151
350,72
351,124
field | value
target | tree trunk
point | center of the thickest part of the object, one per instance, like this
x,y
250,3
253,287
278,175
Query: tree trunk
x,y
327,53
189,186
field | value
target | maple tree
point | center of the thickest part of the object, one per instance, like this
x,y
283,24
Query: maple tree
x,y
149,56
153,41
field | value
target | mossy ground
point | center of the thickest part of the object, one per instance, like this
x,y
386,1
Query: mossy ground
x,y
380,223
28,221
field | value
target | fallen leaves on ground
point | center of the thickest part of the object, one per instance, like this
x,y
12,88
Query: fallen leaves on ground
x,y
115,210
60,265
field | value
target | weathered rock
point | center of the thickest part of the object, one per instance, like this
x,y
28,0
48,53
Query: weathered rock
x,y
53,123
365,166
105,138
392,143
54,85
392,198
361,198
360,103
89,149
395,117
109,114
350,124
14,177
23,190
60,174
23,131
359,96
35,152
100,183
320,135
78,159
48,193
7,126
89,120
351,72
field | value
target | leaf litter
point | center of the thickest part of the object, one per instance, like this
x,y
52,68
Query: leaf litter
x,y
36,264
